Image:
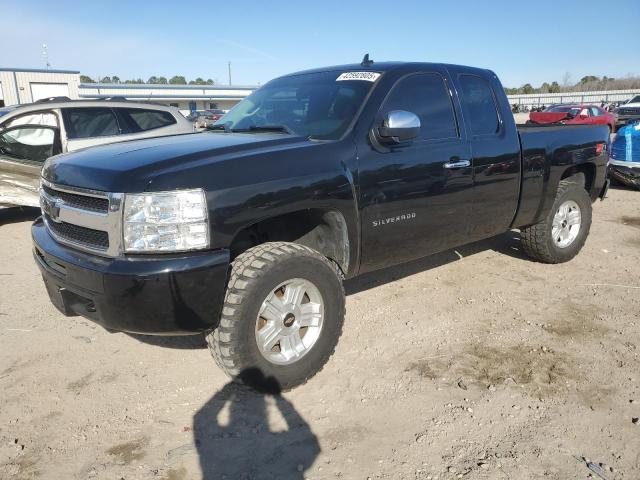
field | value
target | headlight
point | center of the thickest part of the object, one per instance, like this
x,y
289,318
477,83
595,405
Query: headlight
x,y
165,221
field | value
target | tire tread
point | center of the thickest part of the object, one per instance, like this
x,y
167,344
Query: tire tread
x,y
246,269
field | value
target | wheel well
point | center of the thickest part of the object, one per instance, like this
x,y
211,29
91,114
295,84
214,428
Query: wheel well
x,y
323,230
587,169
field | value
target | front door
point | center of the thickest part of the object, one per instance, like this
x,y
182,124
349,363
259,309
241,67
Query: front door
x,y
23,150
416,198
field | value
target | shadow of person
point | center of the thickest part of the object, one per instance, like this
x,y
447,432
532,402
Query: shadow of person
x,y
248,445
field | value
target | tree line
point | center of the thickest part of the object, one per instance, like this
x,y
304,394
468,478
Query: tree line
x,y
175,80
586,83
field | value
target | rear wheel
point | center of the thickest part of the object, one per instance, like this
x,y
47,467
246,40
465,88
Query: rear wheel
x,y
282,317
562,233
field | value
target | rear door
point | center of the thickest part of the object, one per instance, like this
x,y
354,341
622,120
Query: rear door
x,y
412,202
495,150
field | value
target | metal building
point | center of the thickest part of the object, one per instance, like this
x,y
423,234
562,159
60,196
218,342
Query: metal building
x,y
185,97
26,85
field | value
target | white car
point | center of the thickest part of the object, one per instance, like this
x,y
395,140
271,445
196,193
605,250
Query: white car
x,y
29,134
628,112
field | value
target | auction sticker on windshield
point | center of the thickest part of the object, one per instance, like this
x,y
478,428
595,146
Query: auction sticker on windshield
x,y
367,76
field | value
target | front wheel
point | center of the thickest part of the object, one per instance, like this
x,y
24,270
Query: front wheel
x,y
562,233
283,314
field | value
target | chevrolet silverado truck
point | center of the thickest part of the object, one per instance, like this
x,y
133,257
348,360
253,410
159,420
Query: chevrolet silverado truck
x,y
247,231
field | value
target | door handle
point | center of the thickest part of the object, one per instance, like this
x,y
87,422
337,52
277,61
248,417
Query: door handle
x,y
457,163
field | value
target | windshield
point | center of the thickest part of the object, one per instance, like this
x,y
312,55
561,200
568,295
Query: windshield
x,y
635,99
566,109
315,105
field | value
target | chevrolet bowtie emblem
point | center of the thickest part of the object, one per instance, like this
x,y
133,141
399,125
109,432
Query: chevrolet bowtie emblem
x,y
52,208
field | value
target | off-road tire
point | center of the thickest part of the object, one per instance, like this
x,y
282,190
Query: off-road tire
x,y
536,239
254,274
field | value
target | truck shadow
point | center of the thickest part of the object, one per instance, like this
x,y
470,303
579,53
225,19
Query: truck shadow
x,y
18,214
236,434
179,342
507,243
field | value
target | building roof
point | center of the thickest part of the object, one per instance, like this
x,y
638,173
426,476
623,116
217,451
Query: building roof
x,y
148,86
37,70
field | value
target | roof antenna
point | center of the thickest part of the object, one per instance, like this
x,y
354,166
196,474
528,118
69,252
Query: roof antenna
x,y
366,62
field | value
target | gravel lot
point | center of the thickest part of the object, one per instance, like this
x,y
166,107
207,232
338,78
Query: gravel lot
x,y
475,363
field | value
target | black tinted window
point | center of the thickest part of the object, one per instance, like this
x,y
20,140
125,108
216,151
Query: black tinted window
x,y
479,105
140,119
90,122
427,96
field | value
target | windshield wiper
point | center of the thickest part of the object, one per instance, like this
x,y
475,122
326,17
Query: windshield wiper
x,y
266,128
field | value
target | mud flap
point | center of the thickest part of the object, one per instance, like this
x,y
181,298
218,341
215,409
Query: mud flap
x,y
605,189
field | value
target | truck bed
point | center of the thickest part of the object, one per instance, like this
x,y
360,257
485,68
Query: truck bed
x,y
548,151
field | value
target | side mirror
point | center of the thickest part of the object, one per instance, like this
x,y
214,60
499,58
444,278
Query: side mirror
x,y
398,126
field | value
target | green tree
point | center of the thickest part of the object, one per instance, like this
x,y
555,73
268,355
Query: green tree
x,y
152,79
178,80
115,79
85,79
105,80
162,81
527,88
210,82
554,87
588,78
544,88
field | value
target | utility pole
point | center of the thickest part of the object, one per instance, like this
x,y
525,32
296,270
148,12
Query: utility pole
x,y
229,67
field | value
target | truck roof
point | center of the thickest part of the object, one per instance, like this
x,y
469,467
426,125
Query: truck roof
x,y
386,67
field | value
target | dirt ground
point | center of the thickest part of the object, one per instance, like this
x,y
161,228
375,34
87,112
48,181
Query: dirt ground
x,y
475,364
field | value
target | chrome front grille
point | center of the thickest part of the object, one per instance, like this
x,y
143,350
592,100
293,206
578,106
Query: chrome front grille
x,y
87,237
95,204
88,220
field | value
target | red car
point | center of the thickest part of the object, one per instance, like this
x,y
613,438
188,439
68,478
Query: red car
x,y
574,115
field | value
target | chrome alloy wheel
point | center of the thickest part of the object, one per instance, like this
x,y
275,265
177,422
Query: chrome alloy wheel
x,y
289,321
566,224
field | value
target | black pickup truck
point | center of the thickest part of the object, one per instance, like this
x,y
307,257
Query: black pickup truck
x,y
246,232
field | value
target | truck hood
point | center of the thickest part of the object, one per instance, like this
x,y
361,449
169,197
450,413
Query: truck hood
x,y
630,105
132,166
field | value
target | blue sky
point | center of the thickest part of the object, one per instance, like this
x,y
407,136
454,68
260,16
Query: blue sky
x,y
521,41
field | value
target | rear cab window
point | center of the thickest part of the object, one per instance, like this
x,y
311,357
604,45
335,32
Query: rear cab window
x,y
89,122
479,105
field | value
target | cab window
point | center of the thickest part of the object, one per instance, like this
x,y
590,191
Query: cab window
x,y
479,105
427,96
